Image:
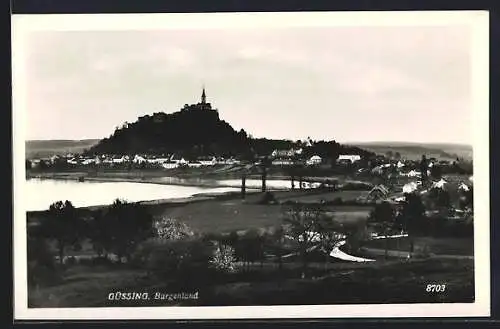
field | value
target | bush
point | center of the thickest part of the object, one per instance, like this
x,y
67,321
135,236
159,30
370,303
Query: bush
x,y
223,258
184,262
42,269
356,187
268,198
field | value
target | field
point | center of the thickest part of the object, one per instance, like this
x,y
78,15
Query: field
x,y
414,151
341,283
236,214
46,148
437,246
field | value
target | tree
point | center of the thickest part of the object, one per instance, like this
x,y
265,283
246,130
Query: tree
x,y
264,165
412,216
397,156
28,164
441,198
436,171
301,222
223,258
277,245
131,224
389,154
330,234
250,247
169,229
423,168
63,225
383,217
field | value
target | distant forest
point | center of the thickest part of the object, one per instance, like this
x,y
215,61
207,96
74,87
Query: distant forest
x,y
194,131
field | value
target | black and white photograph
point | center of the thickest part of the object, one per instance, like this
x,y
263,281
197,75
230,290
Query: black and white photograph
x,y
251,165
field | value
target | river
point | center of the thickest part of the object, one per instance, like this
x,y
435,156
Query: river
x,y
39,194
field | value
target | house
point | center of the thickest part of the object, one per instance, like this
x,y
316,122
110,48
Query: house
x,y
282,162
117,160
281,153
400,164
378,192
207,161
286,153
463,187
87,162
378,170
138,159
440,184
158,160
314,160
410,187
170,165
194,164
413,173
178,159
349,157
53,159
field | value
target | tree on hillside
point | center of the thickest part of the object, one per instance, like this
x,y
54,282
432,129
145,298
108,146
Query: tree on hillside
x,y
250,248
412,216
301,223
389,154
276,244
264,166
131,225
330,233
383,218
436,172
63,225
397,156
467,198
423,168
440,199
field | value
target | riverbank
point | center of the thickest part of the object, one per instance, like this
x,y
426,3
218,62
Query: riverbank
x,y
160,178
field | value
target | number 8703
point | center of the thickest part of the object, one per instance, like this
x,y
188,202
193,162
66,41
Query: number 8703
x,y
435,288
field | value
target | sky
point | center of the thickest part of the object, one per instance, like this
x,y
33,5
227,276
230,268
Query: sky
x,y
371,83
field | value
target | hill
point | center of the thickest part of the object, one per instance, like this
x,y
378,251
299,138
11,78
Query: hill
x,y
415,150
46,148
197,130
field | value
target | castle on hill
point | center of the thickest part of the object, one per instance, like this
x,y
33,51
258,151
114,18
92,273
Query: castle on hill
x,y
203,105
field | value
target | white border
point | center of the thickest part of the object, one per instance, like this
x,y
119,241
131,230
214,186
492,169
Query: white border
x,y
476,20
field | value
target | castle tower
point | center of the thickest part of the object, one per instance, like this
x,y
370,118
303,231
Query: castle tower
x,y
203,96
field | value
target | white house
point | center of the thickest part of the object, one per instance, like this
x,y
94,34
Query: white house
x,y
170,165
350,157
138,159
414,173
208,161
194,164
410,187
178,160
439,184
314,160
158,160
463,187
88,161
400,164
282,162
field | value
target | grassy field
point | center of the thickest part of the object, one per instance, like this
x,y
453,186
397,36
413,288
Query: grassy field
x,y
438,246
344,283
235,214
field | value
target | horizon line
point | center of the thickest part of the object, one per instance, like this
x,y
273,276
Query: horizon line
x,y
374,142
